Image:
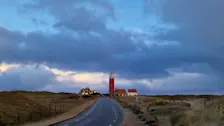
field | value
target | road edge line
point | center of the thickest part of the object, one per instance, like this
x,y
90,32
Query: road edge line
x,y
75,115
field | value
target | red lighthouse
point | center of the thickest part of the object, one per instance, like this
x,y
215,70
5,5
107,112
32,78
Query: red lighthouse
x,y
111,84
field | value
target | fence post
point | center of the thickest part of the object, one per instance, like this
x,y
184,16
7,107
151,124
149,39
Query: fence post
x,y
18,119
50,109
55,108
30,116
60,108
41,112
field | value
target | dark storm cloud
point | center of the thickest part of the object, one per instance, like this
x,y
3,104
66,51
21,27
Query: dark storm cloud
x,y
67,9
97,48
63,49
201,22
98,54
9,41
24,78
200,26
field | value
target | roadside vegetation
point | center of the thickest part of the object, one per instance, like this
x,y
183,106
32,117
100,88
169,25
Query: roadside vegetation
x,y
19,107
177,110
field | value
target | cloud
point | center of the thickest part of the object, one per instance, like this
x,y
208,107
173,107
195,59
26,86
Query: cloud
x,y
188,81
82,46
42,77
84,42
100,8
5,67
200,27
199,22
93,79
26,77
185,81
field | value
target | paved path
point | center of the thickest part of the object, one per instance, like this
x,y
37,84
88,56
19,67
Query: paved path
x,y
105,112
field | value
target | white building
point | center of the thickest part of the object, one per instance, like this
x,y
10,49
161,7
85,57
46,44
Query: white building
x,y
87,91
132,92
94,91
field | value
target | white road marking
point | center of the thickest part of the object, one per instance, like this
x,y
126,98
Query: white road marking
x,y
92,108
110,125
66,125
114,111
88,112
77,120
114,120
87,122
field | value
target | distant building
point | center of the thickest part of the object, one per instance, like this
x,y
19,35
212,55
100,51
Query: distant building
x,y
94,91
132,92
120,92
85,91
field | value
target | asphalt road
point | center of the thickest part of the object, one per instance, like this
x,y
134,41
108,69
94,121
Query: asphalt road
x,y
105,112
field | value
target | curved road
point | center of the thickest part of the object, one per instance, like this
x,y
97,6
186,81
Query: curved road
x,y
105,112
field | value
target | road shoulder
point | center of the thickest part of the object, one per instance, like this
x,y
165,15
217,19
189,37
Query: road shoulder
x,y
70,114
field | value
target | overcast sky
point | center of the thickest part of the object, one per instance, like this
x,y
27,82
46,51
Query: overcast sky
x,y
155,46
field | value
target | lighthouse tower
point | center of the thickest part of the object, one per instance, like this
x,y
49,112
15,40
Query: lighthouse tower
x,y
111,84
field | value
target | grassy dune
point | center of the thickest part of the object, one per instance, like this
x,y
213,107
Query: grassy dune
x,y
18,107
179,110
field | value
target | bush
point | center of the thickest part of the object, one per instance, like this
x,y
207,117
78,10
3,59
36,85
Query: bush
x,y
136,110
151,120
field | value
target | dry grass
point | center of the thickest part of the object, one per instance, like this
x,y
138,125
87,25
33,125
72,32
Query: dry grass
x,y
192,110
210,115
18,107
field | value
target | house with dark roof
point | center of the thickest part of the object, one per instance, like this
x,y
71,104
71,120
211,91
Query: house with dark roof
x,y
120,92
132,92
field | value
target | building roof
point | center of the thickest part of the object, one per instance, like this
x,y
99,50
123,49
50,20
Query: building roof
x,y
120,91
132,90
86,89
